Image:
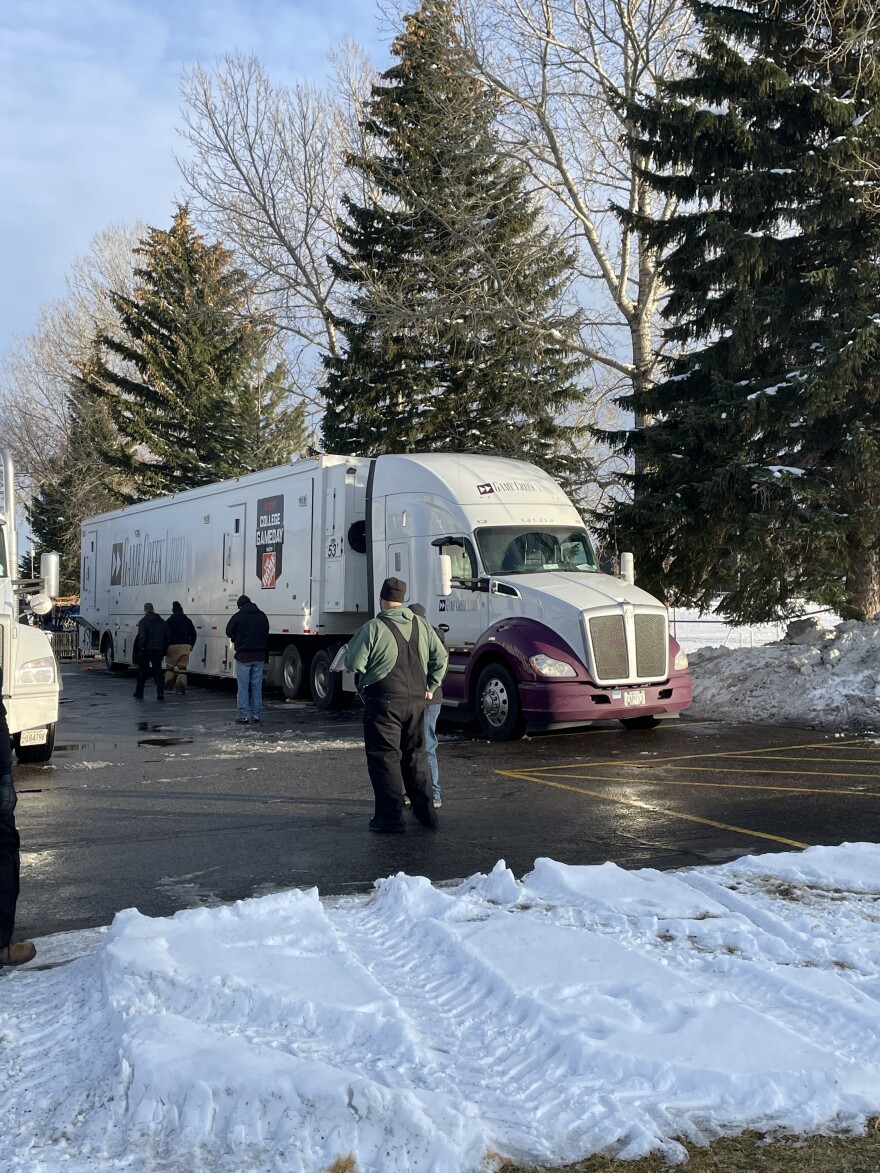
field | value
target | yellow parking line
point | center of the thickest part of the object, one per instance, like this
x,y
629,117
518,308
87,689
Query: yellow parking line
x,y
685,757
799,773
745,757
721,785
654,809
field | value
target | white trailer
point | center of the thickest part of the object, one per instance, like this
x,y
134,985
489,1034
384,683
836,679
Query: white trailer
x,y
492,547
31,680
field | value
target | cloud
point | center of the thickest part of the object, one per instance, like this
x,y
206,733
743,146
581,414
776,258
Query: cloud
x,y
89,105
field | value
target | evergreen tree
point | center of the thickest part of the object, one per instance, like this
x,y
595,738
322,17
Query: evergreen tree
x,y
761,476
458,338
78,485
184,380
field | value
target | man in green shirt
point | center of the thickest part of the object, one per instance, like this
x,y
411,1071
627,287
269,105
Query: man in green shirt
x,y
400,661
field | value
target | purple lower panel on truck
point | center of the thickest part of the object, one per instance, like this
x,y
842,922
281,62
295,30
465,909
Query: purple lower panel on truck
x,y
545,700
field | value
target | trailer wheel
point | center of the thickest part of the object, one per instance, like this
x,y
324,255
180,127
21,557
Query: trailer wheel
x,y
639,722
326,686
499,712
109,656
293,673
27,754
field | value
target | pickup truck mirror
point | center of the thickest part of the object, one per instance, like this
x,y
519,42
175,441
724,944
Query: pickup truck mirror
x,y
443,576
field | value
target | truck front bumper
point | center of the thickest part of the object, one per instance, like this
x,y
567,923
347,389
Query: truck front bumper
x,y
546,702
31,712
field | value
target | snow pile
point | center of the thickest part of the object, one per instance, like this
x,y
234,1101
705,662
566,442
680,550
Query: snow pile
x,y
814,676
584,1009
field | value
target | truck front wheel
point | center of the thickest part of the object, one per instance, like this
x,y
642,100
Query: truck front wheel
x,y
27,754
109,655
499,712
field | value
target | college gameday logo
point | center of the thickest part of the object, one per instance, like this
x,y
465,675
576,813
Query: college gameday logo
x,y
508,487
270,540
117,561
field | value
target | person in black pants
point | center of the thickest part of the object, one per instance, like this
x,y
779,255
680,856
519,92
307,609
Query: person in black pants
x,y
150,647
400,661
11,953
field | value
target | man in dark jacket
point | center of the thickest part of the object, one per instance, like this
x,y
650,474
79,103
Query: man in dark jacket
x,y
249,631
181,641
400,662
150,646
21,951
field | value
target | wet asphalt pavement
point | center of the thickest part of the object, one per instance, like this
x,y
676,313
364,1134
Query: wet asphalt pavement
x,y
163,807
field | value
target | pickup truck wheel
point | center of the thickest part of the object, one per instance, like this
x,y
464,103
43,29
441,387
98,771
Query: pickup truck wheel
x,y
639,722
35,753
499,712
293,673
326,686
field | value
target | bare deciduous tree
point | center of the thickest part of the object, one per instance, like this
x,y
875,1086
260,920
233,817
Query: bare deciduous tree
x,y
35,416
566,71
266,171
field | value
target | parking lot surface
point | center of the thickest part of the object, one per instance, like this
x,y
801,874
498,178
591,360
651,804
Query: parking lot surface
x,y
163,807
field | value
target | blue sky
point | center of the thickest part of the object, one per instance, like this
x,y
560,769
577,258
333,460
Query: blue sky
x,y
89,106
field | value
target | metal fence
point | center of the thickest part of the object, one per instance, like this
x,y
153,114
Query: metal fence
x,y
65,644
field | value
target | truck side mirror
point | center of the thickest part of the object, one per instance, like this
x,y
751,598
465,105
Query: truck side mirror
x,y
443,576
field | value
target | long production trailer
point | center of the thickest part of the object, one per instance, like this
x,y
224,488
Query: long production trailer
x,y
492,547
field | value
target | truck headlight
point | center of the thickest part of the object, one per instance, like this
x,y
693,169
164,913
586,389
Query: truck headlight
x,y
39,671
681,661
547,666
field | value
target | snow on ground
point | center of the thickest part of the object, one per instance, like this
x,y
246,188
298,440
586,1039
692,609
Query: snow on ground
x,y
828,677
436,1030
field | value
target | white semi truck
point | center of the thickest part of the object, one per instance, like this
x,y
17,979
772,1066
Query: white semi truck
x,y
31,680
492,547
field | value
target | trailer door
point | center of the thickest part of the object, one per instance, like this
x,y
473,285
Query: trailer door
x,y
233,553
88,585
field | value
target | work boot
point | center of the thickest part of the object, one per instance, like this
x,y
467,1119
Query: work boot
x,y
180,688
18,953
241,721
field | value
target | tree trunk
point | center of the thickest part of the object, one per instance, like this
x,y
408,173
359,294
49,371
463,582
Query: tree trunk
x,y
863,580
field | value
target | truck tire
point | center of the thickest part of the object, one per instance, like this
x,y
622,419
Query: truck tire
x,y
326,686
497,705
108,654
293,673
27,754
639,722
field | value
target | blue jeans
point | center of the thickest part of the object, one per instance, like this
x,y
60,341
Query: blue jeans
x,y
432,712
250,688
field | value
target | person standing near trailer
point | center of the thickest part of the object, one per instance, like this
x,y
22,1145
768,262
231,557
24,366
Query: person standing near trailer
x,y
18,952
400,662
150,647
432,712
249,631
181,641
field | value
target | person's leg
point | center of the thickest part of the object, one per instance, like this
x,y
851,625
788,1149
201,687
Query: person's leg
x,y
414,763
243,676
182,665
9,860
156,659
382,746
143,666
257,690
173,658
432,712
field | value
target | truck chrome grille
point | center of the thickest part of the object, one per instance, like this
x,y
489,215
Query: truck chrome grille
x,y
618,659
608,637
651,647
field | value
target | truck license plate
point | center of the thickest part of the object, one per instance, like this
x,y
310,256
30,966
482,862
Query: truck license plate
x,y
32,737
636,697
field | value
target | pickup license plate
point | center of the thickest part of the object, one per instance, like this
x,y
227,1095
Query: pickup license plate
x,y
32,737
636,697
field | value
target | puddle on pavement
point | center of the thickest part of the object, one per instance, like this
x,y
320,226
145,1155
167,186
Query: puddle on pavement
x,y
165,741
148,727
76,745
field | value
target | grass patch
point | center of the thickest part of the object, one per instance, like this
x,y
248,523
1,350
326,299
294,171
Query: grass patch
x,y
749,1153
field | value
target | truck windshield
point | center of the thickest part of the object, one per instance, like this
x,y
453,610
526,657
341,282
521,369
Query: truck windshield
x,y
522,549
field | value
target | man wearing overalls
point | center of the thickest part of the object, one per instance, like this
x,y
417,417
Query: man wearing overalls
x,y
400,661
